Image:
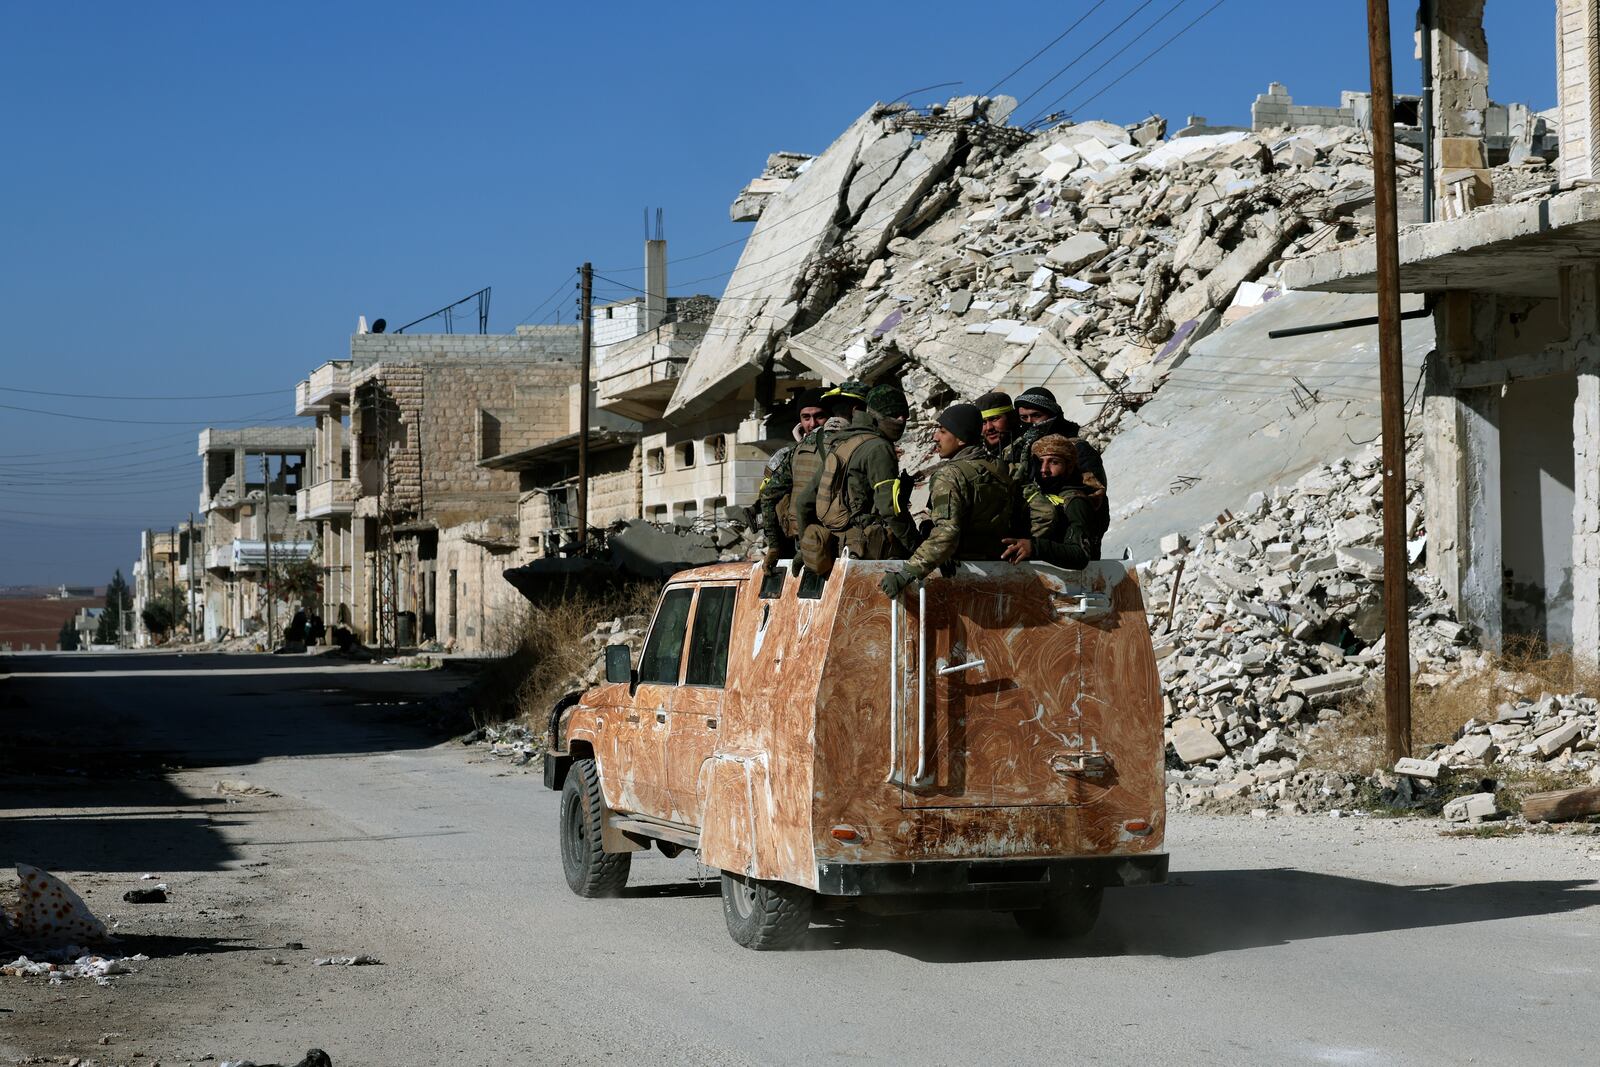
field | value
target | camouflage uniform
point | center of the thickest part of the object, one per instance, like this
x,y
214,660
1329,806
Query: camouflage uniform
x,y
872,488
971,498
1061,525
778,484
1019,458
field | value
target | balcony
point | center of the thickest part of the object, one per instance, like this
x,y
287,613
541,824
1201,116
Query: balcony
x,y
328,384
336,496
635,378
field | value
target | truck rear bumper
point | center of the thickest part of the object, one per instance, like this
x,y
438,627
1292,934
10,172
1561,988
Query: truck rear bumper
x,y
981,877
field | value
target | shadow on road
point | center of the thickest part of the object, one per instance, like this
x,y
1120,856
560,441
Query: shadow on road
x,y
1207,912
87,743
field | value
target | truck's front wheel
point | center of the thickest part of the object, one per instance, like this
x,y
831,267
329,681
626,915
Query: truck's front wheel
x,y
765,915
1070,912
590,871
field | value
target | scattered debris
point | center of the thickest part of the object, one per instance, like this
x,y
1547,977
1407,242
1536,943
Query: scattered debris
x,y
74,964
156,894
361,960
238,787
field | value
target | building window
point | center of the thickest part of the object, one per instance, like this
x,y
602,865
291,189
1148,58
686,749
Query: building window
x,y
717,449
715,507
685,511
684,455
656,513
658,460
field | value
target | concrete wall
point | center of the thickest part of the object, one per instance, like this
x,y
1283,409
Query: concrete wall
x,y
485,614
1536,498
1276,107
1577,74
614,496
543,344
687,474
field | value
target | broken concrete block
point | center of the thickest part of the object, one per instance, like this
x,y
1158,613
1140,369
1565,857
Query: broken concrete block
x,y
1194,743
1076,251
1426,769
1173,543
1558,739
1475,807
1479,747
1327,684
1367,562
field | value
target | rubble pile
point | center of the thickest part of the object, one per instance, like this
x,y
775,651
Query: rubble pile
x,y
1087,257
1267,622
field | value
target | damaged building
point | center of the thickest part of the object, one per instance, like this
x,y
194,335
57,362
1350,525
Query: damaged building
x,y
1511,395
413,527
249,480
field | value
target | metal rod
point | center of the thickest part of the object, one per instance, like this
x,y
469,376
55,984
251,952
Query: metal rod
x,y
586,337
1396,637
266,545
922,683
1345,324
894,688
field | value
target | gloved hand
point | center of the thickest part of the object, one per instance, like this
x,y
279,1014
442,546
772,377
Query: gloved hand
x,y
895,582
769,562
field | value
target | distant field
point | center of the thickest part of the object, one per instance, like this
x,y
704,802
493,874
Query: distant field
x,y
37,623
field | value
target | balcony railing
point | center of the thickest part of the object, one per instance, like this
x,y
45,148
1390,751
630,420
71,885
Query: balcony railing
x,y
336,496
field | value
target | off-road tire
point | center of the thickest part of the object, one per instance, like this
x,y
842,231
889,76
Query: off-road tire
x,y
590,871
1067,913
765,916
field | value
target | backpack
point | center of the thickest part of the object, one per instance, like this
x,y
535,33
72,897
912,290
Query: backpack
x,y
833,494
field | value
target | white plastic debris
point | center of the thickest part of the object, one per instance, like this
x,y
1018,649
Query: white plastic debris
x,y
361,960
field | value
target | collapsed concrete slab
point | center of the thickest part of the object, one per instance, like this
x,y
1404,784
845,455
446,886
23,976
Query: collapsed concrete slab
x,y
1245,413
758,303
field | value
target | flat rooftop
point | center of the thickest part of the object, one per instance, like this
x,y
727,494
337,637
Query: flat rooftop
x,y
1515,249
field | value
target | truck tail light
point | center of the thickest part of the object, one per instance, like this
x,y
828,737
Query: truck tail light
x,y
848,834
1137,826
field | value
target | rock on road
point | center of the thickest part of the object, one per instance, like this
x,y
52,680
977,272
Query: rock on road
x,y
1288,940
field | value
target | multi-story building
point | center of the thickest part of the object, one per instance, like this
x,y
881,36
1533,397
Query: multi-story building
x,y
249,481
414,530
168,572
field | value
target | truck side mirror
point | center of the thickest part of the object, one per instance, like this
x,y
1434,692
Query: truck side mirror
x,y
619,663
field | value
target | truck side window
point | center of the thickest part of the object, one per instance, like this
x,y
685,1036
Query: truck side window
x,y
664,651
708,642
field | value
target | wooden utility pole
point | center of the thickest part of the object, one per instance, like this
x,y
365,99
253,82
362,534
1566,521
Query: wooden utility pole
x,y
266,542
192,561
172,579
586,342
1396,633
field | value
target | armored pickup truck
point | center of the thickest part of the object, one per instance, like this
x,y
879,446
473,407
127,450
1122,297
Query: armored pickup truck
x,y
991,739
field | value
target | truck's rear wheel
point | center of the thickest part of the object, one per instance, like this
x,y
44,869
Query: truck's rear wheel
x,y
1069,912
765,915
590,871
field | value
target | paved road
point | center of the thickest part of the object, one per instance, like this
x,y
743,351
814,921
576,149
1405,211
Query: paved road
x,y
1279,941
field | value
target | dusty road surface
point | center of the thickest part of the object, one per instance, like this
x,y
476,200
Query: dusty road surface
x,y
1279,941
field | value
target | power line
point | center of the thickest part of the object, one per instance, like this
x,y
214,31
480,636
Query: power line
x,y
115,396
990,91
137,422
1075,60
1149,56
1045,111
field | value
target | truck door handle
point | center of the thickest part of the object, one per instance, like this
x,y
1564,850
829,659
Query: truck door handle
x,y
1091,765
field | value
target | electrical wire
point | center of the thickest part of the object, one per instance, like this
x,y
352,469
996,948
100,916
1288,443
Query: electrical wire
x,y
119,397
1112,58
1075,60
1149,56
1059,38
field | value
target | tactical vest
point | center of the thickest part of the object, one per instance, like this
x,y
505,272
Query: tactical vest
x,y
990,518
833,493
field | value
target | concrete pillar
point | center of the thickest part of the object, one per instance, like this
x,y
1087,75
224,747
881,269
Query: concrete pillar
x,y
1584,287
1461,465
1460,102
1578,87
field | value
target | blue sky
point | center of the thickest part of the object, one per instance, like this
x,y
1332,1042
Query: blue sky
x,y
200,199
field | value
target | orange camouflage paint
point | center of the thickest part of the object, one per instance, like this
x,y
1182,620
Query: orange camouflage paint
x,y
1040,726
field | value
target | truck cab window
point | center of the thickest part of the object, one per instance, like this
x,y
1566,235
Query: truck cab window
x,y
708,642
663,652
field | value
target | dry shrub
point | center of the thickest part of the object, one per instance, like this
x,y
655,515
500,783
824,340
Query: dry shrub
x,y
554,652
1354,740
